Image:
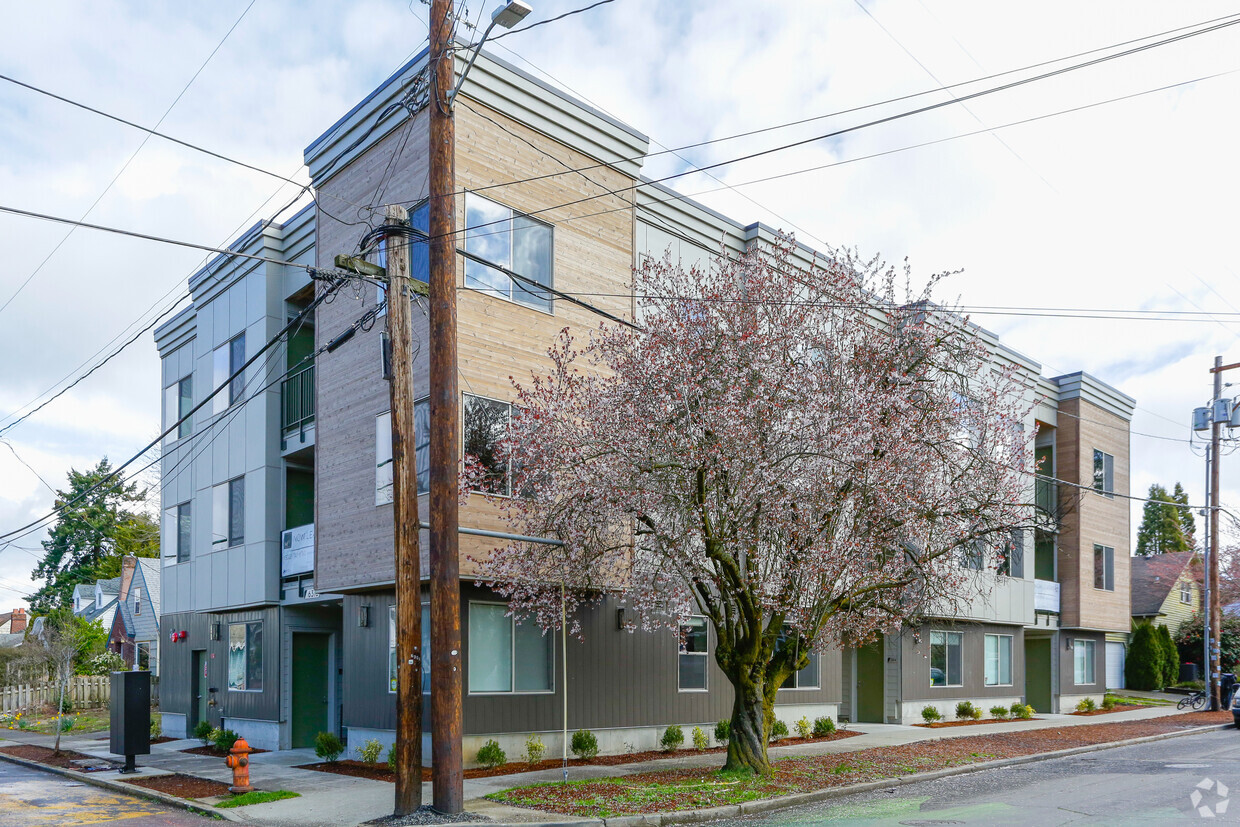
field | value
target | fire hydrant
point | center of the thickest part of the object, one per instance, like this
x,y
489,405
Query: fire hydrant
x,y
239,760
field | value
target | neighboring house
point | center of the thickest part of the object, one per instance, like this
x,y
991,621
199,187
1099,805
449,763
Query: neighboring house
x,y
135,627
1166,588
13,623
83,598
277,520
97,601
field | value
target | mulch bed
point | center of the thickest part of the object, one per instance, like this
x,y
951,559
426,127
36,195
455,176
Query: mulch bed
x,y
971,722
212,751
380,772
183,786
44,755
1116,708
163,739
693,788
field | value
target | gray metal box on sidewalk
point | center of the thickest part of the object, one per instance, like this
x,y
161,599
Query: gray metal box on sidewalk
x,y
130,732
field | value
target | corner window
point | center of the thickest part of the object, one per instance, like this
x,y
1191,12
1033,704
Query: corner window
x,y
1186,591
421,451
694,646
506,656
998,660
1083,661
806,678
426,648
1104,568
485,426
177,534
178,401
419,252
245,656
1104,473
228,514
498,237
946,659
227,360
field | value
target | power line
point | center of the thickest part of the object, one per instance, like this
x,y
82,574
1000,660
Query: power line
x,y
502,35
121,172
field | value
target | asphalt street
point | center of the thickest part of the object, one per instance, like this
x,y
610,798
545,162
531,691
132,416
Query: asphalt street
x,y
1151,783
29,798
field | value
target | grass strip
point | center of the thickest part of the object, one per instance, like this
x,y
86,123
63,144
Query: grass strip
x,y
258,797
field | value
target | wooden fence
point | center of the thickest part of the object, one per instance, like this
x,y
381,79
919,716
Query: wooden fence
x,y
85,691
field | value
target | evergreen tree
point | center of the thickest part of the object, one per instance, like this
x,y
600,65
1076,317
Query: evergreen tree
x,y
1162,523
1189,523
1144,665
1170,656
97,527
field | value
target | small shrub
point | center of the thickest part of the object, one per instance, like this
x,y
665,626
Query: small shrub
x,y
66,705
491,755
965,711
1022,711
1086,705
1108,702
673,738
723,731
223,739
104,663
203,732
700,741
391,759
328,746
779,730
804,729
535,749
66,723
585,744
370,751
930,714
823,727
1000,712
157,726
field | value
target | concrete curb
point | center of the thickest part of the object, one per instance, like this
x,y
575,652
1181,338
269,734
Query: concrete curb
x,y
128,789
767,805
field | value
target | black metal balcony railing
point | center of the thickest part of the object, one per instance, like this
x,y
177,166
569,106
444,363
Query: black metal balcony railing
x,y
297,395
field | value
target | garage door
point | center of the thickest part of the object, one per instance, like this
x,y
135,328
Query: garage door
x,y
1115,665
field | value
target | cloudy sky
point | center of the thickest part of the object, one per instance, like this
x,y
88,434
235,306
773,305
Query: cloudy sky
x,y
1127,206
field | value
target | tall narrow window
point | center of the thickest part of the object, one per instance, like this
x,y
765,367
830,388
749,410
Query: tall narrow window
x,y
1012,555
485,426
228,514
245,656
426,648
1186,591
973,555
946,659
1104,472
1104,568
178,401
421,448
1083,661
184,532
998,660
226,360
807,677
137,600
692,655
497,237
175,532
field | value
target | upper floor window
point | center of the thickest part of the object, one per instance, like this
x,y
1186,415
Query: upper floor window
x,y
485,426
227,360
506,656
1104,568
419,254
506,239
228,514
137,600
1186,591
421,451
178,401
1012,555
973,555
177,533
1104,472
692,654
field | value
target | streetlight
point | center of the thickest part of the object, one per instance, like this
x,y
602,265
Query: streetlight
x,y
507,16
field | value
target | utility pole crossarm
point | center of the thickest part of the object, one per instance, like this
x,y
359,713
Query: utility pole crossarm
x,y
361,266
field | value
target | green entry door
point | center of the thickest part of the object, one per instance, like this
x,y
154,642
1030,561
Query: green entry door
x,y
310,688
1038,652
870,683
201,688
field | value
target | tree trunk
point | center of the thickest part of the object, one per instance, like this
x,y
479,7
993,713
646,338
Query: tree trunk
x,y
60,710
750,728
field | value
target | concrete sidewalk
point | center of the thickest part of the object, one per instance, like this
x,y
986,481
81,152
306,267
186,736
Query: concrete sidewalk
x,y
341,801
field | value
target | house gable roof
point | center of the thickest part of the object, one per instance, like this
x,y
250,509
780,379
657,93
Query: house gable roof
x,y
1152,580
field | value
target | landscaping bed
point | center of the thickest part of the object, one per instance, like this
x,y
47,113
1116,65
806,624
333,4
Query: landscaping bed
x,y
696,788
971,722
1116,708
182,786
212,751
44,755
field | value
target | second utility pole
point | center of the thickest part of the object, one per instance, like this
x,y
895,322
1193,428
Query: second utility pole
x,y
1213,609
446,759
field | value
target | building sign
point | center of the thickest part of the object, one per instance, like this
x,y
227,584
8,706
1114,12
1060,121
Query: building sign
x,y
297,550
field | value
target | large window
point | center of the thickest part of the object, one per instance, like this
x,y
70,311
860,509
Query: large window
x,y
1012,555
177,533
806,678
228,514
506,239
1104,472
426,648
421,451
506,656
419,253
946,658
1083,661
998,660
227,360
245,656
178,401
692,655
1104,568
485,426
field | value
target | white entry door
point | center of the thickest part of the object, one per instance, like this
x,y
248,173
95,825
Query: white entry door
x,y
1115,665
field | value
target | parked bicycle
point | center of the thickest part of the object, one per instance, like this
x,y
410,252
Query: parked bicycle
x,y
1197,700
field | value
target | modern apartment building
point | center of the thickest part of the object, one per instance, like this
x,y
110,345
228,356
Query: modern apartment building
x,y
278,558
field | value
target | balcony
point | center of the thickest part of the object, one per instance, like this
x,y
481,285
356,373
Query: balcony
x,y
1046,596
297,406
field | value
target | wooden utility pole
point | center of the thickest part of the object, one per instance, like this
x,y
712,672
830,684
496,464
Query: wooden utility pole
x,y
446,759
1216,624
405,515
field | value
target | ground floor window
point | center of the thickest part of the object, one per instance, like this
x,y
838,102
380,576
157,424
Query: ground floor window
x,y
506,656
998,660
946,658
691,659
806,678
426,648
1083,661
143,659
245,656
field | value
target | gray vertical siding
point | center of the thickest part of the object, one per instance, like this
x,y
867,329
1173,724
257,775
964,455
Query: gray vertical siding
x,y
915,660
1067,667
